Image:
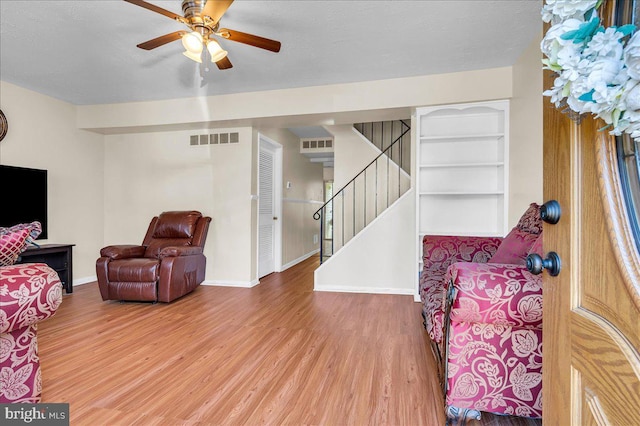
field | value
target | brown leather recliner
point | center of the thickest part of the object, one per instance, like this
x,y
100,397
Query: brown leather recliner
x,y
168,264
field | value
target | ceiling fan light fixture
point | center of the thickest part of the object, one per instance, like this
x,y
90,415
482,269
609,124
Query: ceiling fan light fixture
x,y
216,51
202,17
192,42
193,56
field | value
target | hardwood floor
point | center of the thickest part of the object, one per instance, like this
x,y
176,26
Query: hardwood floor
x,y
275,354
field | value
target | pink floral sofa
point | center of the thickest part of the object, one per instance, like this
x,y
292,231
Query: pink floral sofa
x,y
483,312
29,293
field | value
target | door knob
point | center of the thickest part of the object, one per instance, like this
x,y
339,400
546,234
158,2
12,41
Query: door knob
x,y
275,218
550,212
552,263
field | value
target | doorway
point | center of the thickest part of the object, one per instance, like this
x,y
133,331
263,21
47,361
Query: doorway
x,y
269,206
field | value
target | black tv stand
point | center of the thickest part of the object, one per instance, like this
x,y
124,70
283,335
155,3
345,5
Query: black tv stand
x,y
57,256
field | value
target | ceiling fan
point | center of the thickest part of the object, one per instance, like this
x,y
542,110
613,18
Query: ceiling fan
x,y
203,19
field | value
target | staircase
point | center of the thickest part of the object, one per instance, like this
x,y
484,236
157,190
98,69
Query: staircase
x,y
384,133
371,191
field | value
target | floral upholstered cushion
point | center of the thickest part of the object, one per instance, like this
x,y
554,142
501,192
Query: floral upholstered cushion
x,y
495,368
29,293
490,293
495,339
11,245
438,253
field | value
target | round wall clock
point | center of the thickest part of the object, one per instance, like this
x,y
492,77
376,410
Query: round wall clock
x,y
4,126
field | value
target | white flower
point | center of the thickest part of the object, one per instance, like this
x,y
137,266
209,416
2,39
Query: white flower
x,y
554,33
605,44
557,91
635,131
604,72
577,105
600,74
632,98
628,123
552,43
570,59
555,10
632,56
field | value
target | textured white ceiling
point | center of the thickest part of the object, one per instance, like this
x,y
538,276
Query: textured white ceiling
x,y
84,51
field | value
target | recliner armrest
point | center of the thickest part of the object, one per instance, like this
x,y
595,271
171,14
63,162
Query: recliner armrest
x,y
175,251
122,251
493,293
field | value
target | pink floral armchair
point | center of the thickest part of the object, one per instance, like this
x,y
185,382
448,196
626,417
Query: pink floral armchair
x,y
29,293
483,312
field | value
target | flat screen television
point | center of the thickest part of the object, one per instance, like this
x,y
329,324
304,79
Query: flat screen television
x,y
24,195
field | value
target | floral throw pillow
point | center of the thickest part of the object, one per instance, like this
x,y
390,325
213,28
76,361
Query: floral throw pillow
x,y
537,246
530,221
518,243
11,245
514,248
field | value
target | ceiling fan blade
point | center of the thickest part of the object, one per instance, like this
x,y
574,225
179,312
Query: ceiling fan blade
x,y
156,9
250,39
159,41
214,9
224,63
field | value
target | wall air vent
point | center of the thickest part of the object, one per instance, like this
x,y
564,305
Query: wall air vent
x,y
214,139
316,145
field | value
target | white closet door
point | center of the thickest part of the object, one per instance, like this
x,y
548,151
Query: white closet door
x,y
266,212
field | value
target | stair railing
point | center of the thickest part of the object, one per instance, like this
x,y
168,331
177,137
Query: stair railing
x,y
356,200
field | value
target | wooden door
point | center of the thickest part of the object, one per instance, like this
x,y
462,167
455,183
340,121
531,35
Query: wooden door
x,y
591,363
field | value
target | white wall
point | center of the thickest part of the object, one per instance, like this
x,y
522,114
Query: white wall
x,y
407,92
42,134
148,173
327,173
352,153
378,260
526,133
300,201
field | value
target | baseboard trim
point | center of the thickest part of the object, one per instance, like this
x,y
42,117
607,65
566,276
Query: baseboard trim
x,y
240,284
369,290
298,260
220,283
85,280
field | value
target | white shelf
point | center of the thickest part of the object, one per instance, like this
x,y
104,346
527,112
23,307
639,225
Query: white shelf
x,y
449,193
460,137
461,165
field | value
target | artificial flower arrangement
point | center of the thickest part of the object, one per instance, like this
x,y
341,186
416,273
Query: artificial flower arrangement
x,y
598,68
